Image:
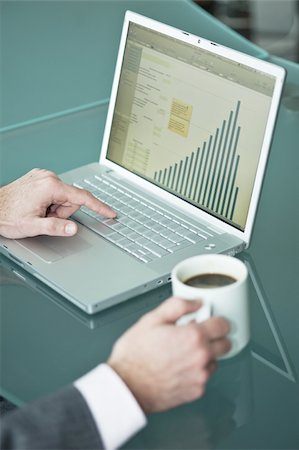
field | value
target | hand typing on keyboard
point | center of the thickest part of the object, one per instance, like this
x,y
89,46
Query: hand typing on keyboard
x,y
40,203
142,228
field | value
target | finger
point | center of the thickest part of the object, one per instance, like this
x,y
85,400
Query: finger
x,y
174,308
51,209
53,227
82,197
63,211
219,347
215,327
211,367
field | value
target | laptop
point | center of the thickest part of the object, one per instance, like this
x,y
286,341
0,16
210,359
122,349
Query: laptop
x,y
184,151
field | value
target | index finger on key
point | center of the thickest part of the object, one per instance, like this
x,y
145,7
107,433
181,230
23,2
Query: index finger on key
x,y
84,198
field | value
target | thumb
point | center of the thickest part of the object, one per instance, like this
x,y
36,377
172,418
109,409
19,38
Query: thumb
x,y
53,226
174,308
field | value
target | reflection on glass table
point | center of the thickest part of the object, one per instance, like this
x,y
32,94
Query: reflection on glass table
x,y
230,400
267,343
11,274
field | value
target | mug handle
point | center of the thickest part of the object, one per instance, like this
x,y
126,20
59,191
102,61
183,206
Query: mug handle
x,y
204,313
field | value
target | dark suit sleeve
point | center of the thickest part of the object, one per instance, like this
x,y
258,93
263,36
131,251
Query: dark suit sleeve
x,y
60,421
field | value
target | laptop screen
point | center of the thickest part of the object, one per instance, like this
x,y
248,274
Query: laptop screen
x,y
190,121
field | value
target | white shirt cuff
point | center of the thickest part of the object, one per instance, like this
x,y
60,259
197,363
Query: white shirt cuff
x,y
115,410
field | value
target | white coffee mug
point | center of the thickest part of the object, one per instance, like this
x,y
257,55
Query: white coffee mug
x,y
230,301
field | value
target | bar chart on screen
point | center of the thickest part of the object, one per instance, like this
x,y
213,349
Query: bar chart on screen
x,y
208,175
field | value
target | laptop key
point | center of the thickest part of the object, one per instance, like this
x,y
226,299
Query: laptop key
x,y
124,243
134,226
139,228
176,238
156,249
181,230
165,243
118,227
173,247
156,217
139,217
133,235
110,222
142,241
101,229
172,226
130,247
192,237
164,221
147,258
100,218
152,235
125,220
149,223
126,209
183,244
145,211
138,253
115,237
125,231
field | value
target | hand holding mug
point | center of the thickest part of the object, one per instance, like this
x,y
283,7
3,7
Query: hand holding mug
x,y
221,283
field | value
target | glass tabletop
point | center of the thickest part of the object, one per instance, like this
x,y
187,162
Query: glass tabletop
x,y
71,47
253,399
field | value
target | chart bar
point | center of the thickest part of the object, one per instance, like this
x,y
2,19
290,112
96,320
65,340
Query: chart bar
x,y
184,174
169,175
191,187
210,167
221,172
227,160
160,176
234,203
164,176
217,175
216,162
229,182
189,172
174,173
179,174
204,171
199,170
232,186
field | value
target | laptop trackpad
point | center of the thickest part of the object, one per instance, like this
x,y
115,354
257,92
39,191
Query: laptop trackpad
x,y
51,249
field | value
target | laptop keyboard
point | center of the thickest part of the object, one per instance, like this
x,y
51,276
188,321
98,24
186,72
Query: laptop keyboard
x,y
141,228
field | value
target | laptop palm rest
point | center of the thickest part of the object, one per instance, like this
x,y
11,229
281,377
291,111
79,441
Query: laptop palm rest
x,y
51,249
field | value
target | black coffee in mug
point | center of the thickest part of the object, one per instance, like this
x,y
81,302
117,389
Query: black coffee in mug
x,y
210,280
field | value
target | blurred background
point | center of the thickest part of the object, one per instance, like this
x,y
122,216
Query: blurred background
x,y
271,24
